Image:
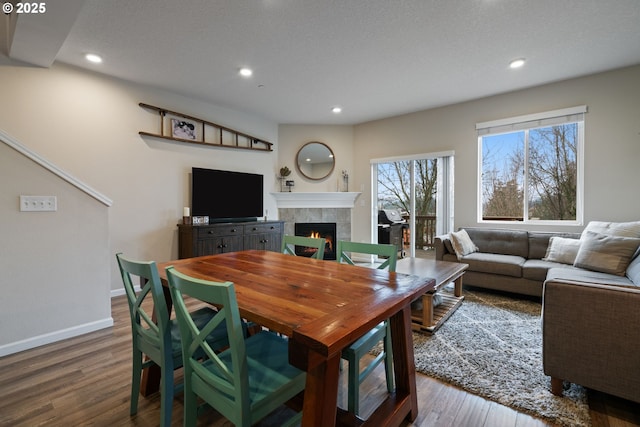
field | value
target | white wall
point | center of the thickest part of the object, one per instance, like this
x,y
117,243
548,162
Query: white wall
x,y
55,265
612,143
340,138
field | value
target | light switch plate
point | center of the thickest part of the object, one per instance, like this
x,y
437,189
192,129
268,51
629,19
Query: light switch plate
x,y
38,204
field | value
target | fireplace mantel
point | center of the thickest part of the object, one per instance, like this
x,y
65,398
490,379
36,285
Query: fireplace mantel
x,y
316,200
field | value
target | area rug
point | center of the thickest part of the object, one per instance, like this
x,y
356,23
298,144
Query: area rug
x,y
492,346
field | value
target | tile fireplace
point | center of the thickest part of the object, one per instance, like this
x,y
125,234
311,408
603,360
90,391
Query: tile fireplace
x,y
327,207
323,230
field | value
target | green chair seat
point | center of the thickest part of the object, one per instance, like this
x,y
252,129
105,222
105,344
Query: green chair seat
x,y
268,370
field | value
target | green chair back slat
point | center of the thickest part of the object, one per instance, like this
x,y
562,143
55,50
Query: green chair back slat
x,y
245,382
347,249
290,242
381,332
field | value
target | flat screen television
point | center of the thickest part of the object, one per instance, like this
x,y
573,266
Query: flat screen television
x,y
226,195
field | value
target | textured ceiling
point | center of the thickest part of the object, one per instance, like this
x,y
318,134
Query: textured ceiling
x,y
375,58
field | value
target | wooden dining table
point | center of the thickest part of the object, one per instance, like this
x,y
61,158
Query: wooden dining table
x,y
323,306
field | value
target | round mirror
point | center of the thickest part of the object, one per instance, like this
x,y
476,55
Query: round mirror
x,y
315,160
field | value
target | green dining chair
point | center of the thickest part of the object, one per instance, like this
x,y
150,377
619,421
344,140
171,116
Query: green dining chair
x,y
381,332
290,242
245,382
155,335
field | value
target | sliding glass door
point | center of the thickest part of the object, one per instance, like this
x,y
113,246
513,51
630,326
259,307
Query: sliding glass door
x,y
421,189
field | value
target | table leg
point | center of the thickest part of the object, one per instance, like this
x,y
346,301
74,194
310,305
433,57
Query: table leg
x,y
403,359
457,290
321,392
427,309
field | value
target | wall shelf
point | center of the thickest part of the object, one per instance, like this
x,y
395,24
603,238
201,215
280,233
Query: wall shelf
x,y
204,132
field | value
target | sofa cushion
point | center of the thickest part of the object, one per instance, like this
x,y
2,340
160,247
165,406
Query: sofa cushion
x,y
633,271
500,241
562,250
451,257
539,242
448,245
605,253
574,274
506,265
462,243
536,269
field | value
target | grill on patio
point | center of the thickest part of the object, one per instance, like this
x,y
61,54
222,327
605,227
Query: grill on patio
x,y
391,227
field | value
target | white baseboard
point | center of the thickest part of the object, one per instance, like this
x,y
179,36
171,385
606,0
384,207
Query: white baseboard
x,y
118,292
51,337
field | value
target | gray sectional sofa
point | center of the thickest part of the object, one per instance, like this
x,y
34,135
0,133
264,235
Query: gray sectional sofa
x,y
590,316
506,260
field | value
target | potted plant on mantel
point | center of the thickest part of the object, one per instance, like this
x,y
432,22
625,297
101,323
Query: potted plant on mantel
x,y
284,173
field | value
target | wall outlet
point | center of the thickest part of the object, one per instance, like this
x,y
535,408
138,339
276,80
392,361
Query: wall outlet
x,y
38,204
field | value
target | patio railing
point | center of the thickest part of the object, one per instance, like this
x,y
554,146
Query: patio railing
x,y
425,231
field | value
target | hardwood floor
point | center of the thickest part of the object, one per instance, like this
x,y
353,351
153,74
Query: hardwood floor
x,y
86,381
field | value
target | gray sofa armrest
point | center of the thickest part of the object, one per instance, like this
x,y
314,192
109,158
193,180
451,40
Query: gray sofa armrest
x,y
590,336
440,247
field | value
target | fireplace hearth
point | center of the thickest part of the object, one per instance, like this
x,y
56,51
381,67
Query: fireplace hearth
x,y
323,230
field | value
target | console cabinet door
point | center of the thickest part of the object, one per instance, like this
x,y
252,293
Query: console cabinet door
x,y
218,245
221,238
263,241
266,237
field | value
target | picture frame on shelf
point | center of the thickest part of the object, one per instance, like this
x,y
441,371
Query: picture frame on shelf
x,y
200,220
183,129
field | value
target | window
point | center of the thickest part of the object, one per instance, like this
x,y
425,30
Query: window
x,y
531,168
421,186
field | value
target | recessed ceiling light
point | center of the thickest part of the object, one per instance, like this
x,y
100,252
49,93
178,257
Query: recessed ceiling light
x,y
516,63
246,72
92,57
336,110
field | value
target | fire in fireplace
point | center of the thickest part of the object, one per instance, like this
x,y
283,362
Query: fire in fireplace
x,y
318,230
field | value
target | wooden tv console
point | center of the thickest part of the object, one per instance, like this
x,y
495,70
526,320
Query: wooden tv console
x,y
210,239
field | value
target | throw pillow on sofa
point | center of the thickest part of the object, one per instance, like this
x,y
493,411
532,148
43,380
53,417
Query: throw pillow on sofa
x,y
620,229
462,243
562,250
605,253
